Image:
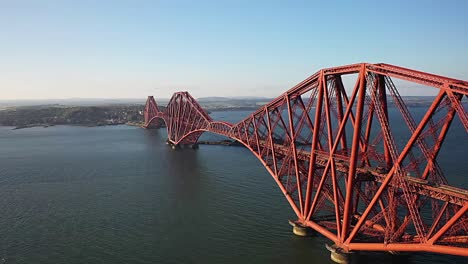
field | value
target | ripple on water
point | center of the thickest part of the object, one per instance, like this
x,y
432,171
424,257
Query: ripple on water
x,y
120,195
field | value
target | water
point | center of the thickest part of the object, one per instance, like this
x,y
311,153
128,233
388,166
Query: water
x,y
120,195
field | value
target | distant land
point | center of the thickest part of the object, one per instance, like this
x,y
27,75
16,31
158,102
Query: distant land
x,y
50,115
97,112
208,101
232,103
71,102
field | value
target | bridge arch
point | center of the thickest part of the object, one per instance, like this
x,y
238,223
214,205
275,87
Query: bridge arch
x,y
217,127
154,119
223,128
190,138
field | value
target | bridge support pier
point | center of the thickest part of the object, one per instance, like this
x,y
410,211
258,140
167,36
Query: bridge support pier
x,y
174,146
179,146
339,256
300,230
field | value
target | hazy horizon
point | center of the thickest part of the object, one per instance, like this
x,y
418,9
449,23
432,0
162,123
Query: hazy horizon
x,y
117,101
131,49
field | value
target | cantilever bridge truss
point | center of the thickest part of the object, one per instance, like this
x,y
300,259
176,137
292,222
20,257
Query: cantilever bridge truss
x,y
355,164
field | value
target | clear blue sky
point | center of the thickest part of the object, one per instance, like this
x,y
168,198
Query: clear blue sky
x,y
130,49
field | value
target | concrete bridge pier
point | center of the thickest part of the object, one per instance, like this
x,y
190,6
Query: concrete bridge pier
x,y
172,145
338,255
179,146
300,230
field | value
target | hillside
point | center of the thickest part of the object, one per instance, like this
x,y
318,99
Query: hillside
x,y
20,117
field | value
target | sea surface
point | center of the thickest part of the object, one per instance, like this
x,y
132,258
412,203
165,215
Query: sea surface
x,y
119,194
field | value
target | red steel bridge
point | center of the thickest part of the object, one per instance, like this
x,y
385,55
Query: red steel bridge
x,y
340,162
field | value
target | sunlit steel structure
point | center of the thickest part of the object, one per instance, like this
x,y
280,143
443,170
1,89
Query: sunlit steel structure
x,y
339,160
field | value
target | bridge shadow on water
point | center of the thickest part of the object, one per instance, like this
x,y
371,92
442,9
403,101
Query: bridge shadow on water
x,y
185,172
182,165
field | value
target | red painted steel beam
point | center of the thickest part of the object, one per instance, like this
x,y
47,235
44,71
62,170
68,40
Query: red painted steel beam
x,y
410,247
354,152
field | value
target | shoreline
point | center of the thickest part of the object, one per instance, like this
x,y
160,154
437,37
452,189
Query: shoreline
x,y
79,125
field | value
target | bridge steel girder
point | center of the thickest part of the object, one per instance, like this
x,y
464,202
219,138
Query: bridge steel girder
x,y
337,161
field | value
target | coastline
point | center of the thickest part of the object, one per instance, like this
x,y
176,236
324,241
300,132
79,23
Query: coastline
x,y
78,125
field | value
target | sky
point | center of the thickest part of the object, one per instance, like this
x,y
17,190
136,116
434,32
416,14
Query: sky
x,y
131,49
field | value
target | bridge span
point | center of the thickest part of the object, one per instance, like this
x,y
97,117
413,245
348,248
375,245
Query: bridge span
x,y
354,163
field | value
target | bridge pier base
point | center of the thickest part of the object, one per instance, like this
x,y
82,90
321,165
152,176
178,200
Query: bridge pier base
x,y
174,146
179,146
300,230
339,256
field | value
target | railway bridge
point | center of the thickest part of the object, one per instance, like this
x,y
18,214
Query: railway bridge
x,y
355,163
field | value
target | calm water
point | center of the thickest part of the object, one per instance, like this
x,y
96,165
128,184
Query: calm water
x,y
121,195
